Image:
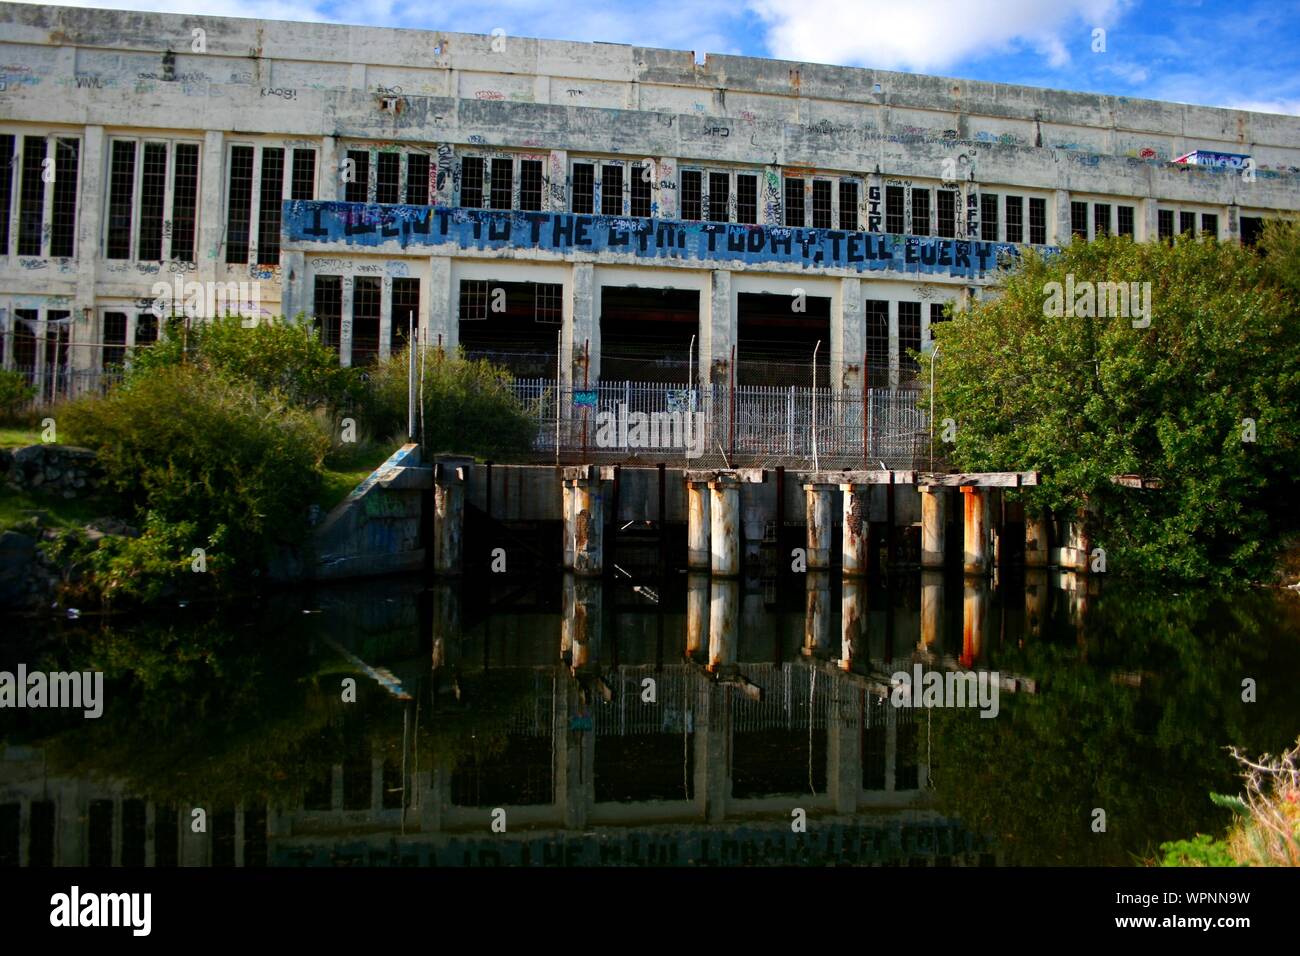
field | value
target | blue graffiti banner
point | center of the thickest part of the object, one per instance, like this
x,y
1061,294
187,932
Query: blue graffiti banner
x,y
364,225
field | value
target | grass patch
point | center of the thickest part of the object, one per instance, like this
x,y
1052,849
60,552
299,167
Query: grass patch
x,y
18,436
17,506
345,468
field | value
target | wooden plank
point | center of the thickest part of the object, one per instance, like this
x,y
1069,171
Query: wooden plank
x,y
986,479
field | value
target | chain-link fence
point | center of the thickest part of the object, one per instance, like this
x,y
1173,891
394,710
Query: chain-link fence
x,y
722,426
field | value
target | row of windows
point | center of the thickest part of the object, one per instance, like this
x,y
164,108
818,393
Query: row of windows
x,y
153,190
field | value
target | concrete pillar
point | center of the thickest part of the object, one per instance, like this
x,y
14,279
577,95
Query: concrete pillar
x,y
817,619
975,556
581,329
843,749
717,336
821,524
449,514
934,522
931,612
724,618
1037,539
853,623
856,534
440,325
569,513
974,604
588,526
698,556
697,612
724,525
848,338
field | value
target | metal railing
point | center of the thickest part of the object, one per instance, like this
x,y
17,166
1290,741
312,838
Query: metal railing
x,y
717,425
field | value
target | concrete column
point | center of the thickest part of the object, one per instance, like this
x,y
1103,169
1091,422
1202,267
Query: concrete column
x,y
857,526
440,324
724,525
697,612
93,169
717,336
1062,231
581,332
449,476
588,526
210,251
820,524
931,612
975,557
934,521
848,337
1037,539
853,623
893,344
843,752
724,618
569,512
698,556
817,619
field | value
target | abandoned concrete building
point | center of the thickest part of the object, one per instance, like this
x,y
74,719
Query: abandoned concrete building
x,y
590,212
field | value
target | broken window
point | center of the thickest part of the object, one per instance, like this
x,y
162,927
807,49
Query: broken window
x,y
692,194
1037,221
584,188
794,204
989,217
1015,206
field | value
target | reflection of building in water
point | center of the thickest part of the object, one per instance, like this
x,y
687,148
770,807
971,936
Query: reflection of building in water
x,y
645,738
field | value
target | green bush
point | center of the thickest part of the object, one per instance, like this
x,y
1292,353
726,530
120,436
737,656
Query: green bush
x,y
468,407
274,355
14,392
193,448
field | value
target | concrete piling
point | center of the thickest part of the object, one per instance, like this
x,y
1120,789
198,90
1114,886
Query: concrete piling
x,y
975,555
724,525
934,521
449,476
821,524
698,555
856,530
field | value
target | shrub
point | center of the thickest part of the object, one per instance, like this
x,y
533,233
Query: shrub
x,y
194,448
273,356
14,392
468,406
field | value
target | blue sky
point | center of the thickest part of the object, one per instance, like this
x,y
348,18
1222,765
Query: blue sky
x,y
1243,54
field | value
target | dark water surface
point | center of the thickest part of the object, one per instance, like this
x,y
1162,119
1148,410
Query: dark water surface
x,y
565,722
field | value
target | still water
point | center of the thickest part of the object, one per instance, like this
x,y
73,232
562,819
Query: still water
x,y
556,721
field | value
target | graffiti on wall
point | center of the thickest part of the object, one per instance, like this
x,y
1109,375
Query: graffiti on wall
x,y
314,222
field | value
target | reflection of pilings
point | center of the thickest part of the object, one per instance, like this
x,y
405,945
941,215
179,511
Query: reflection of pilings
x,y
1037,538
934,521
724,618
697,612
445,601
698,557
817,620
1037,594
853,623
856,529
581,631
724,525
974,602
975,556
449,515
932,611
820,520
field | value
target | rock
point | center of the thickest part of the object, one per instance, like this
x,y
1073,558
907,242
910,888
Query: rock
x,y
29,455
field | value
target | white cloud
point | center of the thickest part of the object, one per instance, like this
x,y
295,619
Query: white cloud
x,y
928,35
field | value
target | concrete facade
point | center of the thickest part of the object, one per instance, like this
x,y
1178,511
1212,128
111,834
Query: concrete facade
x,y
376,178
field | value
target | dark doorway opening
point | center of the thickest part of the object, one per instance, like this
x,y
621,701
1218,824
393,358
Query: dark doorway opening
x,y
512,324
776,335
645,334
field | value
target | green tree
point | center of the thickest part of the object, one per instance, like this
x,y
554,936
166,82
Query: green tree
x,y
1082,398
